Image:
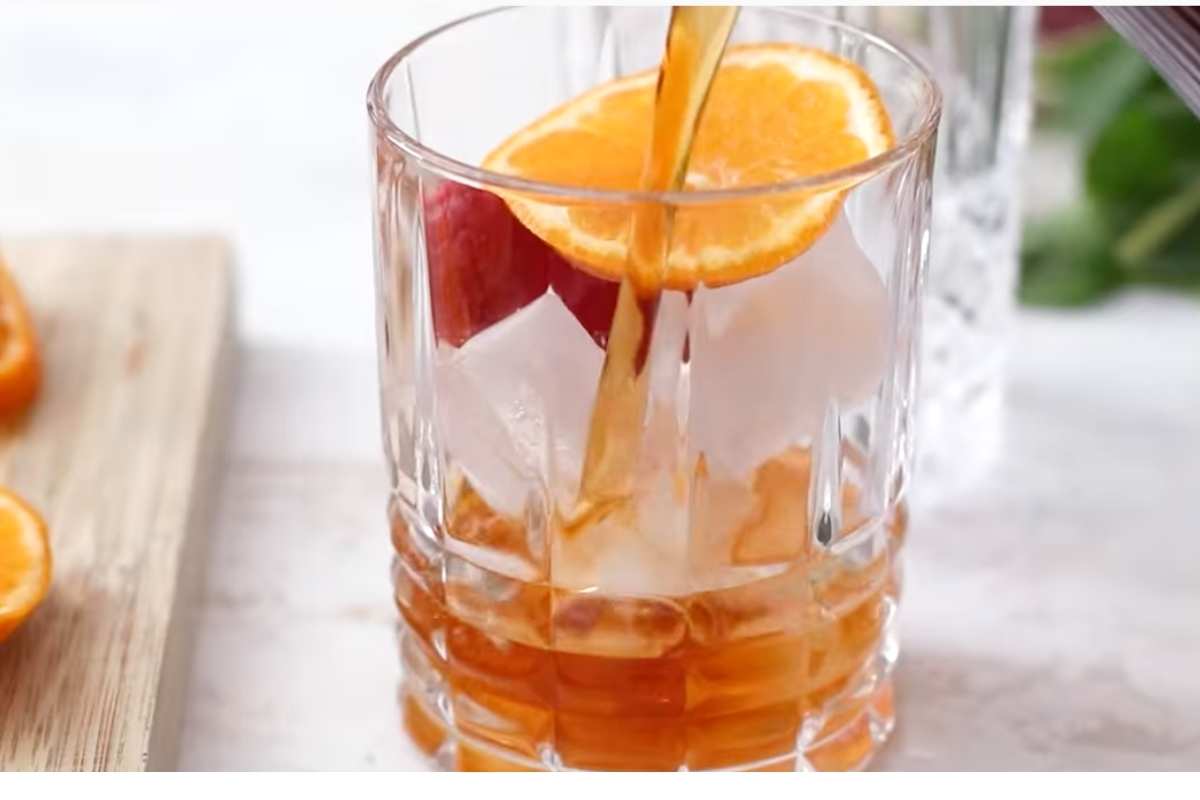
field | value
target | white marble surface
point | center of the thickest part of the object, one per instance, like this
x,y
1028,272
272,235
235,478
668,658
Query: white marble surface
x,y
1050,617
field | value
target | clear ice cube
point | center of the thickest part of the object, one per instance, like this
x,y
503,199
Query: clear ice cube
x,y
515,402
768,354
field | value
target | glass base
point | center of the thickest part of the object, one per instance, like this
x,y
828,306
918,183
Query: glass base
x,y
849,742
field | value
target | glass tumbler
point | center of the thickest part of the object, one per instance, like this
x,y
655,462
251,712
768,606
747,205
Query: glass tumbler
x,y
734,608
982,58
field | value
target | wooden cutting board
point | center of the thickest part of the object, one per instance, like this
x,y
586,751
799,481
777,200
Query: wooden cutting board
x,y
120,455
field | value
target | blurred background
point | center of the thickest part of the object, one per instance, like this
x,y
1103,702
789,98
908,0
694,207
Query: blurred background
x,y
220,117
1072,548
238,119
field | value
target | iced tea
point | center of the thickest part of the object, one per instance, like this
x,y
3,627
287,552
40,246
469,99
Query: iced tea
x,y
648,418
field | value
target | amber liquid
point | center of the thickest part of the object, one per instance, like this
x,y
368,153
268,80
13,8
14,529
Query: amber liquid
x,y
535,676
696,39
776,667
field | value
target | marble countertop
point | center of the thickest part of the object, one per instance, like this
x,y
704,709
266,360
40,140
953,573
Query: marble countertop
x,y
1050,610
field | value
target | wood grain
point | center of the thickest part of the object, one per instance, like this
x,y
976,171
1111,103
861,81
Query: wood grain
x,y
120,455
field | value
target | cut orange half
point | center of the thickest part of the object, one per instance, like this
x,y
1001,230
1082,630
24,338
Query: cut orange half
x,y
24,562
776,112
20,363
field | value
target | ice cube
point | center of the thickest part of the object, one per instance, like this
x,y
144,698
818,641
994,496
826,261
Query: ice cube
x,y
515,402
768,354
665,358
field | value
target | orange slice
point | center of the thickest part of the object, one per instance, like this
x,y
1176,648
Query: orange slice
x,y
20,365
24,562
775,112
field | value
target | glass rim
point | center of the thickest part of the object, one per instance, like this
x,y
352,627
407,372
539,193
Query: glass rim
x,y
461,172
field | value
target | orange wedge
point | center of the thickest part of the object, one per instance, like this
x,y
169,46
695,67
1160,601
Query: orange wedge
x,y
776,112
20,365
24,562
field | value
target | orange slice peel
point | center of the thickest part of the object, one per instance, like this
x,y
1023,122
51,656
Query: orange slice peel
x,y
776,113
20,361
25,562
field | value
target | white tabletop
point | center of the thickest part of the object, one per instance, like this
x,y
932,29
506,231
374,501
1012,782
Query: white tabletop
x,y
1049,617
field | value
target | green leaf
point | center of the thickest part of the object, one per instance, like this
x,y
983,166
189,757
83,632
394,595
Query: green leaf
x,y
1140,219
1175,270
1076,56
1173,262
1170,224
1089,80
1067,260
1148,151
